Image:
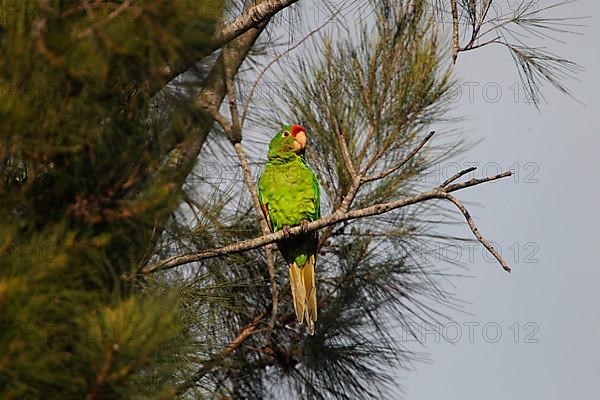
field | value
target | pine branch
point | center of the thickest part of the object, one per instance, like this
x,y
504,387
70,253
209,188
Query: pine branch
x,y
400,164
457,175
215,361
476,232
336,217
534,65
102,376
455,44
235,136
359,179
252,17
211,96
265,231
345,153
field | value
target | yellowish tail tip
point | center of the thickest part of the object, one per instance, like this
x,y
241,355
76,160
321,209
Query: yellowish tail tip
x,y
304,292
297,291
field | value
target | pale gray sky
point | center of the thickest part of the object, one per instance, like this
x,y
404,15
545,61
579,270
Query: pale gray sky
x,y
549,214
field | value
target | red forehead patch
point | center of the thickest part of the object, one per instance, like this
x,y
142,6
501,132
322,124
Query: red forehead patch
x,y
296,129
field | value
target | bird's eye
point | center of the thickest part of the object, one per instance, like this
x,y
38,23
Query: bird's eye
x,y
286,134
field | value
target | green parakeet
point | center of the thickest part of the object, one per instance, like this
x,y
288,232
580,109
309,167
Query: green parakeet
x,y
289,195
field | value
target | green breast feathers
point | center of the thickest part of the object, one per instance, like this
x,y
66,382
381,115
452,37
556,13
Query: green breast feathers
x,y
290,192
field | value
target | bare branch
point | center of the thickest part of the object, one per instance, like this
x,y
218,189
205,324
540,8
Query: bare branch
x,y
476,181
345,152
236,137
233,131
473,12
352,191
456,176
472,46
96,22
255,17
476,24
274,290
331,219
265,231
220,118
455,44
399,165
252,17
40,25
476,232
378,154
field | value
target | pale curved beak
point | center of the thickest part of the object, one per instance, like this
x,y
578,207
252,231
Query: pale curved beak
x,y
299,142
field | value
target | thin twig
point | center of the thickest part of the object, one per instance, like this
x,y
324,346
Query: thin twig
x,y
344,205
476,28
274,291
39,27
456,176
476,232
345,152
102,376
476,181
96,24
265,231
471,46
149,249
475,33
473,11
387,142
250,184
352,191
402,162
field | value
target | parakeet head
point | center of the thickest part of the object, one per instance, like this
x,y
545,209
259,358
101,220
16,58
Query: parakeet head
x,y
290,140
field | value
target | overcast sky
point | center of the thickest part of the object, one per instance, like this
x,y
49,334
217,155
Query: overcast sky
x,y
546,223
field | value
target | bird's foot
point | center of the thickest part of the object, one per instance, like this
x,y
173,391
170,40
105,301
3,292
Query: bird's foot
x,y
304,225
286,231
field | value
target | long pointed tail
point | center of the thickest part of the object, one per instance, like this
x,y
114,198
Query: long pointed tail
x,y
304,292
310,288
298,293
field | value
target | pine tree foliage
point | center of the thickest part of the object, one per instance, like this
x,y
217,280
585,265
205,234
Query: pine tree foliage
x,y
522,27
80,195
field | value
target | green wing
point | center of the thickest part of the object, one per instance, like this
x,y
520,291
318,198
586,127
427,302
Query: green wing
x,y
264,206
317,196
316,190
